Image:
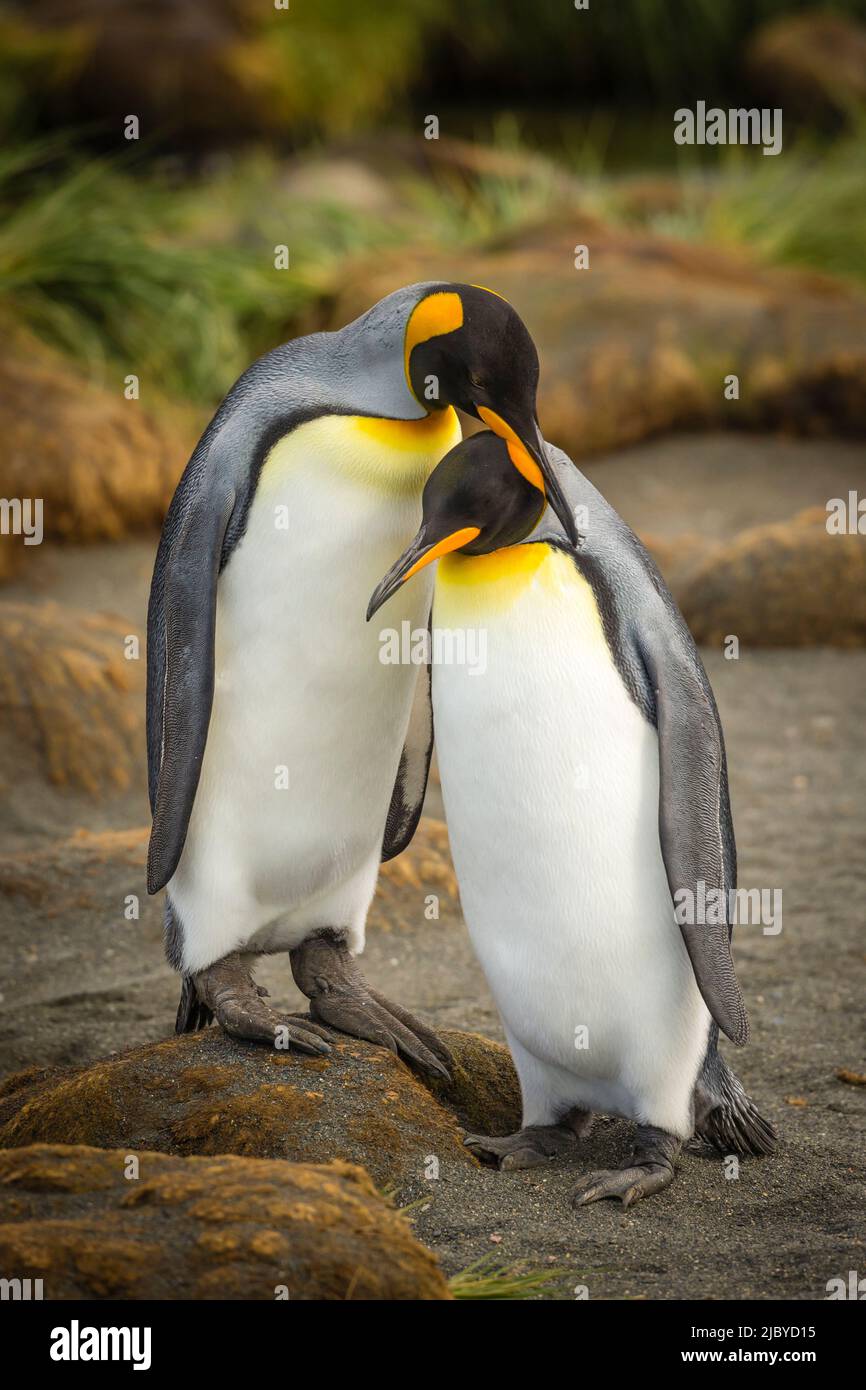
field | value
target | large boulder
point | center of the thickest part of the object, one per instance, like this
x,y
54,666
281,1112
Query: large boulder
x,y
642,341
203,1228
207,1094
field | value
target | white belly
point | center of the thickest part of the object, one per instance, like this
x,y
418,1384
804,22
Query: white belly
x,y
307,723
550,782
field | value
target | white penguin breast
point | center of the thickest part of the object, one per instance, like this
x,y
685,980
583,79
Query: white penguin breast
x,y
307,723
550,781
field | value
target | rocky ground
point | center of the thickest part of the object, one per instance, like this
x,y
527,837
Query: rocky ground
x,y
85,980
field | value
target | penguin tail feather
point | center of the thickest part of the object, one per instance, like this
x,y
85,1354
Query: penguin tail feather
x,y
192,1013
733,1123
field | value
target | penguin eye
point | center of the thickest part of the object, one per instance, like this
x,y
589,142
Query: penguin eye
x,y
475,380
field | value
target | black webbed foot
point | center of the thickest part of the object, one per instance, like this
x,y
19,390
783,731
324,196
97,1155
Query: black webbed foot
x,y
229,992
650,1168
328,974
527,1148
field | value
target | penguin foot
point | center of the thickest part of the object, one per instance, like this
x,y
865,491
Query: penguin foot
x,y
327,972
526,1149
650,1168
228,989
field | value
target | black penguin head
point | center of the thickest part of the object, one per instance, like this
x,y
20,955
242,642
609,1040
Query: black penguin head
x,y
476,500
466,347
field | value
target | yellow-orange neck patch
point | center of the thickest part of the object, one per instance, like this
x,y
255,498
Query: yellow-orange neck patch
x,y
438,313
444,547
522,460
436,429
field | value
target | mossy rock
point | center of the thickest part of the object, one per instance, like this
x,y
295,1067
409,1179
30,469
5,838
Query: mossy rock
x,y
74,703
203,1228
207,1094
484,1091
103,466
786,584
641,342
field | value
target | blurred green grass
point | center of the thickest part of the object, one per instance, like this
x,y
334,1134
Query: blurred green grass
x,y
176,279
132,266
806,208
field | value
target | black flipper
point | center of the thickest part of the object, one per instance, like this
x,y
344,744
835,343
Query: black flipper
x,y
694,816
188,620
407,798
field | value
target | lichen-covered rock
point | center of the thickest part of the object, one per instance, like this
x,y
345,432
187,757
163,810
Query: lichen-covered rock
x,y
73,702
484,1091
791,583
642,341
102,465
91,1225
207,1094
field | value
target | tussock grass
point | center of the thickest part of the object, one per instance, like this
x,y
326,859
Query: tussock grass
x,y
486,1279
805,206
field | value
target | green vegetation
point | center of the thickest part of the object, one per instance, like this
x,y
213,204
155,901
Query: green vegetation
x,y
807,209
128,265
111,262
122,264
487,1280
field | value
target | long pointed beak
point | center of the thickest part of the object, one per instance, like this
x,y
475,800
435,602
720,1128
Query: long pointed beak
x,y
529,455
423,550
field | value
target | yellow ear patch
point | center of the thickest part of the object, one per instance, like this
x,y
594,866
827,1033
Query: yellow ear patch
x,y
437,314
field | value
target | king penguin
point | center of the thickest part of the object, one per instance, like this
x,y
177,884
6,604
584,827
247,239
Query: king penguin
x,y
285,760
585,788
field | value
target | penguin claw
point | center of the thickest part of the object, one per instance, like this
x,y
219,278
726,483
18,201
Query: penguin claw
x,y
627,1184
528,1148
327,972
371,1020
650,1168
237,1003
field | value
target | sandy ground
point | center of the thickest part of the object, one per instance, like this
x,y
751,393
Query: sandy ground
x,y
84,981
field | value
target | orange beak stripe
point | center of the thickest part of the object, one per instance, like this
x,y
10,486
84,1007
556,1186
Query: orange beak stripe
x,y
523,461
452,542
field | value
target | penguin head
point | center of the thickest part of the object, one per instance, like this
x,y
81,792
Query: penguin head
x,y
465,346
476,500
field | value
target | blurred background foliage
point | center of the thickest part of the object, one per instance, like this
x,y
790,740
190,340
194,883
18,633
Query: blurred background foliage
x,y
163,248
